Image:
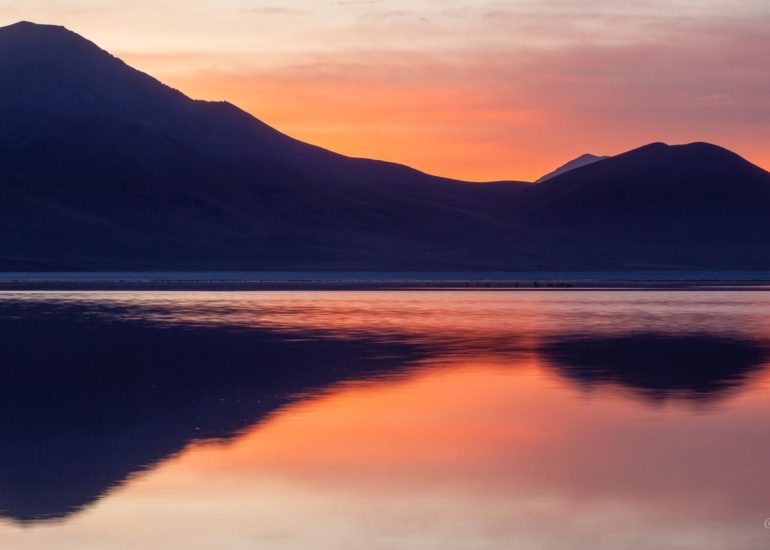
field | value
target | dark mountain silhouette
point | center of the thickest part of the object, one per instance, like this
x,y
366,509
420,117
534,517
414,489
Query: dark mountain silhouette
x,y
582,160
659,206
104,168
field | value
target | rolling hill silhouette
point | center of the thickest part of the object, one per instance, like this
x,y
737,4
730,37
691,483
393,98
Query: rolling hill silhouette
x,y
660,205
103,167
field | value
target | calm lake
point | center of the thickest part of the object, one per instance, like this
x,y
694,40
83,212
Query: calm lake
x,y
385,420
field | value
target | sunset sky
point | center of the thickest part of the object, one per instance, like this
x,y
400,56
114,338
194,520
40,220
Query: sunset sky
x,y
475,89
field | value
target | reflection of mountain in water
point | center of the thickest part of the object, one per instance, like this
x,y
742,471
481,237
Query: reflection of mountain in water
x,y
659,366
93,394
86,401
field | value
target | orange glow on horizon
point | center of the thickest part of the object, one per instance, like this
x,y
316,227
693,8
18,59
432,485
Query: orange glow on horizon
x,y
439,131
464,133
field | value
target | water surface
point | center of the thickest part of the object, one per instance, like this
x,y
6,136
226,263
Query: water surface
x,y
348,420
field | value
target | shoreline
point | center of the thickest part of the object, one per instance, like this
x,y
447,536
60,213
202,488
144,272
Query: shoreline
x,y
382,280
183,285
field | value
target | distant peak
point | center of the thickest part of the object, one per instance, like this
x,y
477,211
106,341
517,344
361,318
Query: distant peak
x,y
588,156
582,160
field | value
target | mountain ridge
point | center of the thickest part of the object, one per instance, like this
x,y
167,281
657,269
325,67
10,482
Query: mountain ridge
x,y
103,167
234,132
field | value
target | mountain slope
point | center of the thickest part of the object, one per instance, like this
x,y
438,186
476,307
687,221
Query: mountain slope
x,y
105,167
52,69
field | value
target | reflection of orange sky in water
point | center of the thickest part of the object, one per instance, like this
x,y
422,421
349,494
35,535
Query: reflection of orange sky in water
x,y
507,450
482,450
487,412
415,421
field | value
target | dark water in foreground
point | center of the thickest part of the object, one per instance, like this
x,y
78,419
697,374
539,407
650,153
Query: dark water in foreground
x,y
385,420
